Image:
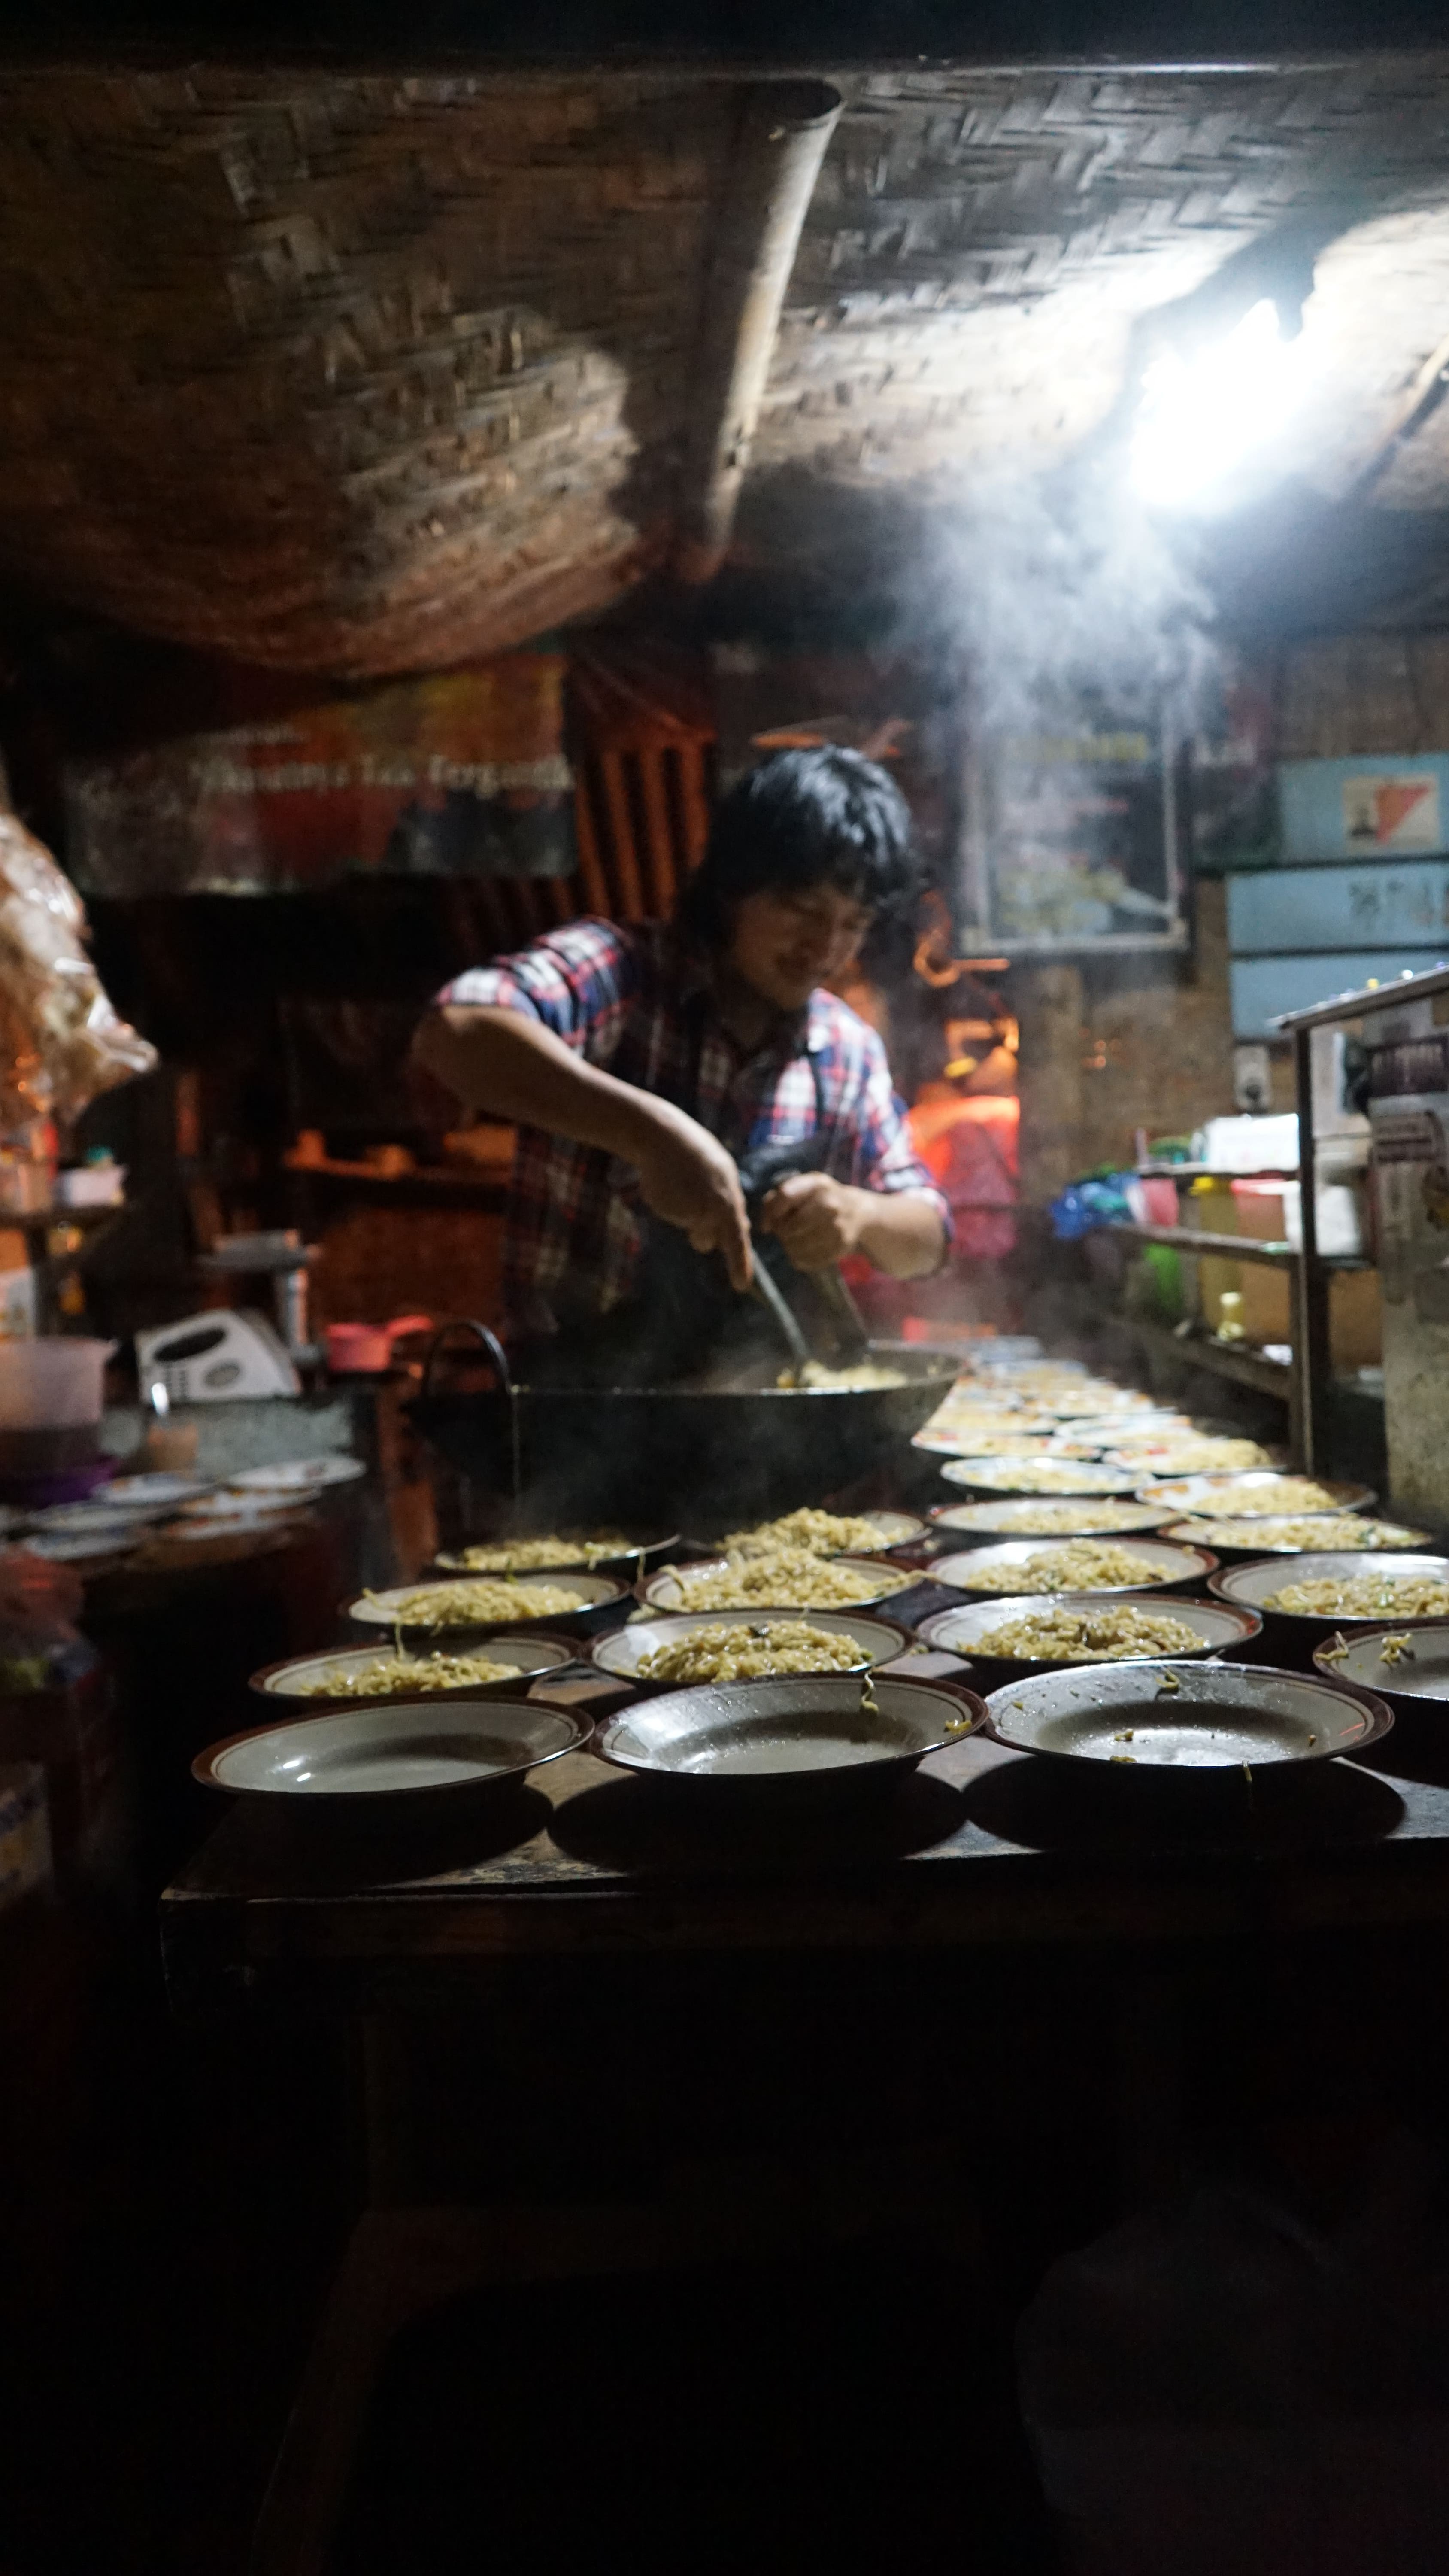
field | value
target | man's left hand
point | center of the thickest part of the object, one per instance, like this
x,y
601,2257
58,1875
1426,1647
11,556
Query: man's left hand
x,y
816,1219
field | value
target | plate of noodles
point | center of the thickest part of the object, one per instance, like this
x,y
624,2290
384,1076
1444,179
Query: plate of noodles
x,y
478,1602
1023,1565
1045,1475
1308,1595
783,1579
1040,1516
380,1672
1254,1494
821,1533
1289,1534
672,1653
1086,1628
620,1552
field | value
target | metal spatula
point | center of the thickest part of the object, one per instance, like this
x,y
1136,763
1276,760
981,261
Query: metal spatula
x,y
777,1306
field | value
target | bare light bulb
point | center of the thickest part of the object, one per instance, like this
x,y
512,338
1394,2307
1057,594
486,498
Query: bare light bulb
x,y
1203,416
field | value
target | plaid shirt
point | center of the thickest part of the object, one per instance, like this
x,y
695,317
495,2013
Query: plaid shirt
x,y
635,1003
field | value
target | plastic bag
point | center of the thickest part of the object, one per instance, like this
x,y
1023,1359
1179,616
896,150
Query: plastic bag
x,y
61,1043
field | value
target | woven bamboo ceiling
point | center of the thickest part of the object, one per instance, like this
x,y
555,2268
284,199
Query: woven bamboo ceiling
x,y
361,373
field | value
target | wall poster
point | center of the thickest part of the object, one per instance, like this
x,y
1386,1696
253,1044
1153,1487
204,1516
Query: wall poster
x,y
1074,841
458,773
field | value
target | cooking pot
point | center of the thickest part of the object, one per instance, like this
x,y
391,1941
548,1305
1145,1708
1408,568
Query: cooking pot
x,y
363,1350
711,1456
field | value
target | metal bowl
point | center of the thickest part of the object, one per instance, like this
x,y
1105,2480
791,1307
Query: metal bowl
x,y
1291,1635
1223,1631
1245,1495
1002,1519
798,1733
662,1592
410,1754
622,1652
1173,1564
1005,1476
381,1609
284,1684
1173,1715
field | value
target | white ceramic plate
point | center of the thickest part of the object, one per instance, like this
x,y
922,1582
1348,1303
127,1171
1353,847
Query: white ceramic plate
x,y
1219,1717
164,1491
288,1682
384,1609
662,1590
418,1748
797,1728
961,1631
95,1520
77,1549
1014,1476
994,1567
624,1651
295,1474
229,1505
1008,1517
1252,1490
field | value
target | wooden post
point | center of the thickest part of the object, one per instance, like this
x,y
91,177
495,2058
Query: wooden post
x,y
1049,1007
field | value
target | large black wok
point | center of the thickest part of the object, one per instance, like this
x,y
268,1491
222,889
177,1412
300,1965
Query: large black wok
x,y
668,1457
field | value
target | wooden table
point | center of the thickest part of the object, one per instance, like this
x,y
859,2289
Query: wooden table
x,y
981,1847
601,2028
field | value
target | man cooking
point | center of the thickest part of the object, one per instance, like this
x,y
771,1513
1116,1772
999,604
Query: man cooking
x,y
698,1073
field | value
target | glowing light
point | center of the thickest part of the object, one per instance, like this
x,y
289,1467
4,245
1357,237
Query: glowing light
x,y
1205,415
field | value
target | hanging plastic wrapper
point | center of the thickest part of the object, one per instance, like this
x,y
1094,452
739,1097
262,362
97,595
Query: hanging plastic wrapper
x,y
61,1043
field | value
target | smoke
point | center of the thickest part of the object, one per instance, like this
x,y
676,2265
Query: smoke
x,y
1061,595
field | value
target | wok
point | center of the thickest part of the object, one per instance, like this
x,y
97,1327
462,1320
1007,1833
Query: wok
x,y
713,1456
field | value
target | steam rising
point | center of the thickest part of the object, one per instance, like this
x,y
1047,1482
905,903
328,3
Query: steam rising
x,y
1063,592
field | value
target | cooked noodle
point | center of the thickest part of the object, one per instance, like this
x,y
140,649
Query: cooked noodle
x,y
738,1653
469,1605
436,1672
1103,1636
786,1579
1083,1565
523,1555
1364,1596
818,1533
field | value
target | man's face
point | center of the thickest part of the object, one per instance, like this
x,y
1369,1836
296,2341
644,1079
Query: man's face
x,y
785,944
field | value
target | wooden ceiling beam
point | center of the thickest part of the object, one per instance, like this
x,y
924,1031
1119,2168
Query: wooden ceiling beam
x,y
780,140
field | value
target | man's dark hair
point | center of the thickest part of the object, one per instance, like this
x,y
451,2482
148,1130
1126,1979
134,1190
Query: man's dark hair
x,y
804,818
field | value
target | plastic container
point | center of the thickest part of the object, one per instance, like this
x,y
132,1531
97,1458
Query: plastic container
x,y
54,1382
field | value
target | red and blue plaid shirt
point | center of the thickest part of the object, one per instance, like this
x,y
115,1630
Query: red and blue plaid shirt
x,y
634,1002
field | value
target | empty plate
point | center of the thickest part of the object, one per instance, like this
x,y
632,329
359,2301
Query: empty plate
x,y
162,1490
806,1729
294,1475
420,1748
1186,1716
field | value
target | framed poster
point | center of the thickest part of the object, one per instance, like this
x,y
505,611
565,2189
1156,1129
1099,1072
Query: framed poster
x,y
1074,841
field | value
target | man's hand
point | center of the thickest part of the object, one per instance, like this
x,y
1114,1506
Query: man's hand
x,y
816,1219
686,1177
